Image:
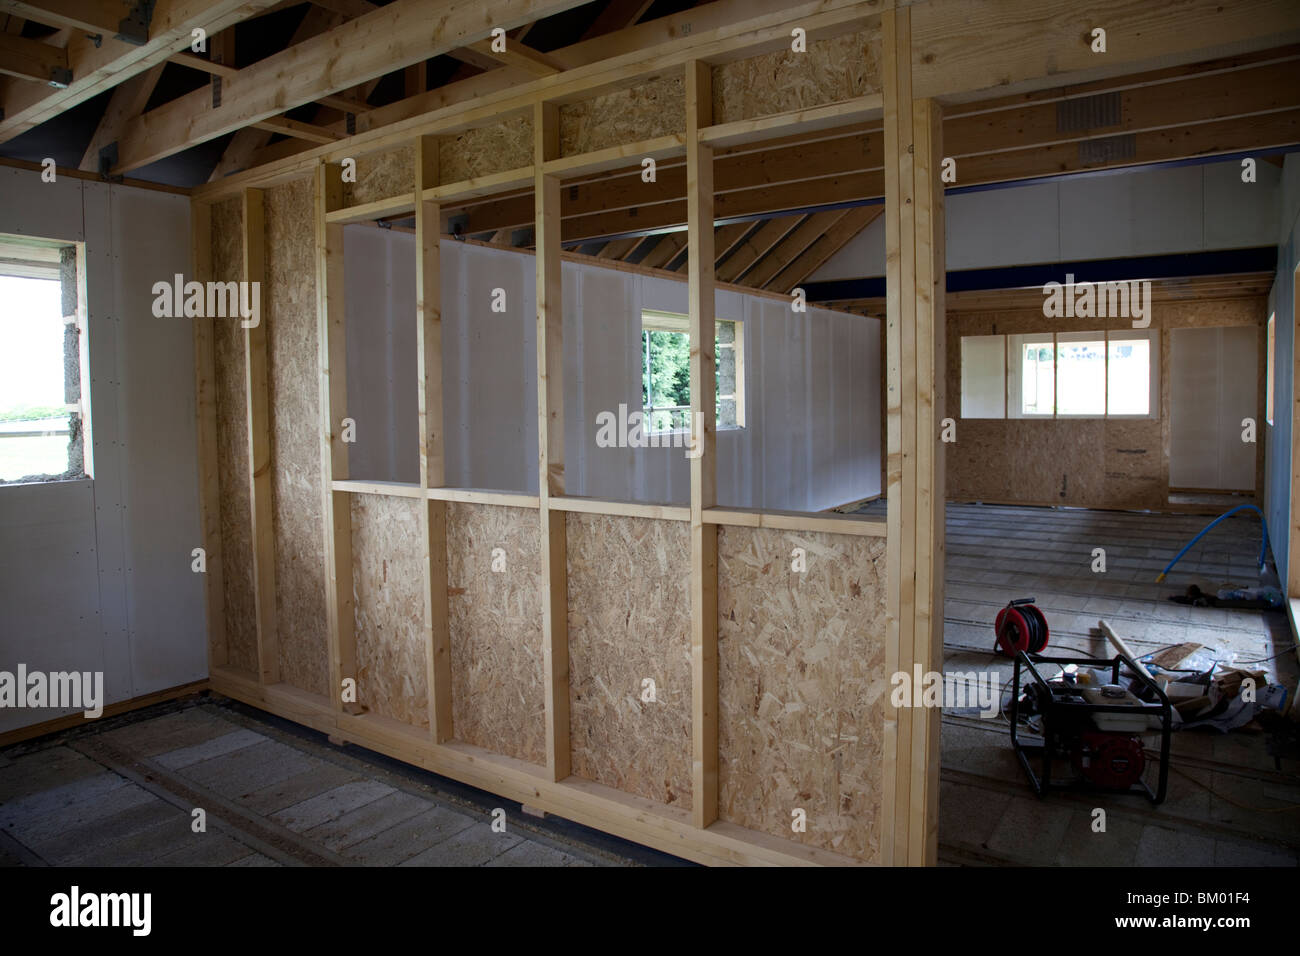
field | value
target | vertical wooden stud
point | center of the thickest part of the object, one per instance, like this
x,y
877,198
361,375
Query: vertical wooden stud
x,y
433,516
914,264
927,128
259,441
205,384
337,508
550,440
703,365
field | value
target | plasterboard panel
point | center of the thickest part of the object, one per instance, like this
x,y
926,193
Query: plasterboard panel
x,y
150,241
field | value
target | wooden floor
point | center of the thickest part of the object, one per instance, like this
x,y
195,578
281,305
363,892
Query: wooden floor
x,y
122,794
1225,795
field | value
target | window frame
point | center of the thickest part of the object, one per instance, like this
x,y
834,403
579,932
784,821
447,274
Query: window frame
x,y
78,319
1013,372
658,320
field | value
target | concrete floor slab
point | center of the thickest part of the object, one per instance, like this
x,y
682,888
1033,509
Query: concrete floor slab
x,y
1162,846
316,779
215,747
367,821
410,837
248,769
316,810
469,847
1031,831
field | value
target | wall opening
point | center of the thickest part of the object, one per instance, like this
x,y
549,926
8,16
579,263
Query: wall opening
x,y
44,421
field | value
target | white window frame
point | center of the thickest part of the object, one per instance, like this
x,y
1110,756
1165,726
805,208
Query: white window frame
x,y
1013,365
1131,335
656,320
1016,343
1065,338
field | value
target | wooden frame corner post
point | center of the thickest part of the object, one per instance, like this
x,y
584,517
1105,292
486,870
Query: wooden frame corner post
x,y
550,441
433,514
914,265
337,505
703,365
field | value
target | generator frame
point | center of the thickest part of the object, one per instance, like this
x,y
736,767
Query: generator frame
x,y
1072,710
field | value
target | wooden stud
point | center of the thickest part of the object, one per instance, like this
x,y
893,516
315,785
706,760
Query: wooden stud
x,y
550,438
205,381
914,266
433,515
931,367
259,443
704,421
332,354
901,431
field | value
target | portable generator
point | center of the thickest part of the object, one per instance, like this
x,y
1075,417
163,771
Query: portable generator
x,y
1094,729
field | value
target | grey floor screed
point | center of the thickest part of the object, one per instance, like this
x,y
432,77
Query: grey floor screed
x,y
126,795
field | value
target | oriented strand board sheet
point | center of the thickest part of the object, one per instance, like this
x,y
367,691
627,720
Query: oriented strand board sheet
x,y
232,446
289,309
495,620
629,621
833,69
656,107
486,149
382,176
388,585
802,686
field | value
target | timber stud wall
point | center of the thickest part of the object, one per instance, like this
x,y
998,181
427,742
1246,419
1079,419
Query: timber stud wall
x,y
714,775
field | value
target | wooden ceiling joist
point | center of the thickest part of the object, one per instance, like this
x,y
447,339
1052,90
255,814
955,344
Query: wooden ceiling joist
x,y
830,242
756,247
792,246
298,130
33,60
103,17
128,101
386,39
102,62
664,250
519,56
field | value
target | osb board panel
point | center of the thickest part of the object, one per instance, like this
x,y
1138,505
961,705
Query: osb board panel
x,y
495,620
382,176
232,446
486,150
833,69
802,685
654,108
289,306
1112,463
629,621
388,586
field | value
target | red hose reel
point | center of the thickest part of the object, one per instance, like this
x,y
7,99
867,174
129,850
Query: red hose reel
x,y
1020,626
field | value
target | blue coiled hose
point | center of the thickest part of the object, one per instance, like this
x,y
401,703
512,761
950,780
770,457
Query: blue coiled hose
x,y
1263,547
